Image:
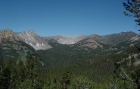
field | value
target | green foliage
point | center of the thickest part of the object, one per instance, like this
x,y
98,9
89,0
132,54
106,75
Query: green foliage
x,y
13,50
136,76
27,84
6,74
65,55
66,67
52,85
66,78
129,78
82,82
91,74
133,8
5,78
20,70
117,83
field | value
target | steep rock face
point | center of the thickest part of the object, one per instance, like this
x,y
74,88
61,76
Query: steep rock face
x,y
8,34
37,42
67,39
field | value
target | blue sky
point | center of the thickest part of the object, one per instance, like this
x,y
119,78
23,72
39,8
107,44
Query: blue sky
x,y
65,17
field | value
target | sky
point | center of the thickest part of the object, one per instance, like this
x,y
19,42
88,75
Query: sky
x,y
65,17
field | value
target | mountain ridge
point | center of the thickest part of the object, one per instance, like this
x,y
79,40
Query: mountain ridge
x,y
85,48
91,41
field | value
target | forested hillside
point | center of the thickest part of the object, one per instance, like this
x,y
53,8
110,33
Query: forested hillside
x,y
111,61
69,67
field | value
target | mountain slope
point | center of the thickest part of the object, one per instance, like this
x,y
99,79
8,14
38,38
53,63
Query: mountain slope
x,y
65,50
8,34
90,47
11,47
41,43
37,42
94,41
116,38
93,55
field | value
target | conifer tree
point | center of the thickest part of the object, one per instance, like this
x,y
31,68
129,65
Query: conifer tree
x,y
133,8
5,77
66,78
20,70
32,68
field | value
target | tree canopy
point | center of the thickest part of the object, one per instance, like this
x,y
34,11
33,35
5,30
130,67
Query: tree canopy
x,y
133,9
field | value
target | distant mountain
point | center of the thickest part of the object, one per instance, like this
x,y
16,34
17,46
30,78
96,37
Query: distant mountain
x,y
37,42
41,43
62,39
94,41
91,41
116,38
60,49
93,54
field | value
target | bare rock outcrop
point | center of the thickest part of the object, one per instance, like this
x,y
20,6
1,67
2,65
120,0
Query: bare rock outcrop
x,y
37,42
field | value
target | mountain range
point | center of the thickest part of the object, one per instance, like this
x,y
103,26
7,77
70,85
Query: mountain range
x,y
55,50
56,58
92,41
41,43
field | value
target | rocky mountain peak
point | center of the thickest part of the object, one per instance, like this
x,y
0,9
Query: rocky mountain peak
x,y
34,40
94,36
30,31
8,34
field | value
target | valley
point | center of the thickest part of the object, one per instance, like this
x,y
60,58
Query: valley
x,y
90,56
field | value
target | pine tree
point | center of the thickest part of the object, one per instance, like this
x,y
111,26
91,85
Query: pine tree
x,y
133,8
66,78
20,70
5,78
32,68
26,84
